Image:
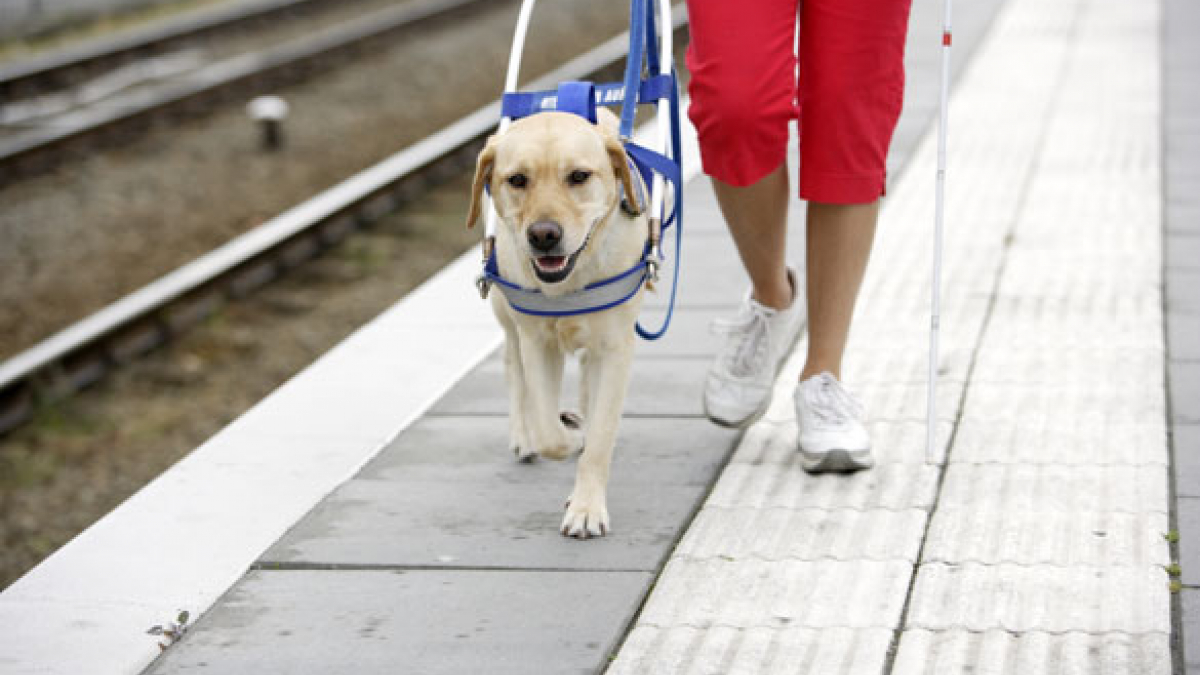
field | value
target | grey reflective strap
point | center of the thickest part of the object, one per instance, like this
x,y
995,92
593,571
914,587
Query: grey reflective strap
x,y
582,301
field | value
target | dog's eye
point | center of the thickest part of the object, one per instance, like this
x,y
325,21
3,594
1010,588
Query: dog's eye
x,y
518,180
579,177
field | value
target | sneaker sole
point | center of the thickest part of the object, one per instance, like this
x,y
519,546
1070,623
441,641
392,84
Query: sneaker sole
x,y
743,424
836,461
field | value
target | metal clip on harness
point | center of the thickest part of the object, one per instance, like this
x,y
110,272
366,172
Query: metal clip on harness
x,y
482,282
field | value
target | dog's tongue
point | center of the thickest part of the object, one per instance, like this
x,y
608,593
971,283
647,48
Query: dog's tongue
x,y
551,263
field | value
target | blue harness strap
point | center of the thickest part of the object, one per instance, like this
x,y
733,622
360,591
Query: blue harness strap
x,y
518,104
581,98
578,98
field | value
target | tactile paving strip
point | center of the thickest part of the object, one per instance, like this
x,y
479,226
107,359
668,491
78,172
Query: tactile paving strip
x,y
1044,552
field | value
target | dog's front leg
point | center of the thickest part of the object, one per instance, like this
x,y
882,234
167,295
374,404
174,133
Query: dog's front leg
x,y
607,378
518,396
542,359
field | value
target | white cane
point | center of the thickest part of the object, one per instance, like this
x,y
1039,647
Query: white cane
x,y
935,309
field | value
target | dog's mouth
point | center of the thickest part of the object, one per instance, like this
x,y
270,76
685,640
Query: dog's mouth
x,y
554,268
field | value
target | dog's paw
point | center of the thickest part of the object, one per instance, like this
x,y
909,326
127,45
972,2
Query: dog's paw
x,y
523,455
572,438
585,518
571,420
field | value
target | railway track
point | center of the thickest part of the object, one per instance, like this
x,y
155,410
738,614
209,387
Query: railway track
x,y
180,82
85,352
39,75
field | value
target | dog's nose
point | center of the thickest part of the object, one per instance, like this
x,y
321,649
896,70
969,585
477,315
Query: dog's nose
x,y
544,235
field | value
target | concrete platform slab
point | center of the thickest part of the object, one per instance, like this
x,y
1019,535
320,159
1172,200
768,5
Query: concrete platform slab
x,y
1065,489
688,337
752,651
667,387
807,534
441,496
1185,391
430,621
999,652
1063,405
887,486
1076,538
1020,598
756,593
1093,440
1186,441
1187,515
1183,289
1184,251
710,277
1183,332
1190,639
1105,369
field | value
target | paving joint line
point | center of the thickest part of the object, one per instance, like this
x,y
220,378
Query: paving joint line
x,y
1011,563
399,567
992,300
1065,465
758,626
1176,639
972,631
819,509
787,558
627,415
1039,631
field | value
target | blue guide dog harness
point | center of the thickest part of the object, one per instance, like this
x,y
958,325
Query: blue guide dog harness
x,y
581,98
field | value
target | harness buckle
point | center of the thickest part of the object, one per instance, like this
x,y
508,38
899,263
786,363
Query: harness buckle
x,y
482,283
651,261
654,256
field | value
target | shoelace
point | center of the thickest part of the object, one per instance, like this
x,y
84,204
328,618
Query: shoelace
x,y
752,331
830,403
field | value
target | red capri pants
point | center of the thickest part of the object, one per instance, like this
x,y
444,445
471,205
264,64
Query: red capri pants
x,y
846,94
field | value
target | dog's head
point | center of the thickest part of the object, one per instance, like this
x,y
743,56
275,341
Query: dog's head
x,y
554,179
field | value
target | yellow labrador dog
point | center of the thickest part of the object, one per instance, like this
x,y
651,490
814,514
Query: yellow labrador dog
x,y
557,181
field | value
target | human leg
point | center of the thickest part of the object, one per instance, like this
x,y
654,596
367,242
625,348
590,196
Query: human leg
x,y
743,90
851,90
756,215
743,97
833,436
838,245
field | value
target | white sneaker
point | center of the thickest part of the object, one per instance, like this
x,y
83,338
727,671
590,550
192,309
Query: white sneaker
x,y
832,435
738,388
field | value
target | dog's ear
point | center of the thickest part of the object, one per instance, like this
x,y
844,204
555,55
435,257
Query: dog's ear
x,y
622,170
483,176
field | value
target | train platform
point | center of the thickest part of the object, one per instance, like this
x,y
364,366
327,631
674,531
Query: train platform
x,y
368,516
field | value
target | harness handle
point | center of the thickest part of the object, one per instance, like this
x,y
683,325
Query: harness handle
x,y
633,64
665,170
